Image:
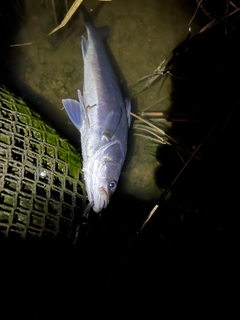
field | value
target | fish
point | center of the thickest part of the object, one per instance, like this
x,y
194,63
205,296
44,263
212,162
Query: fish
x,y
102,116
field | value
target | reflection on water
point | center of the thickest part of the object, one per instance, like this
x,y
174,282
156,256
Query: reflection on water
x,y
142,35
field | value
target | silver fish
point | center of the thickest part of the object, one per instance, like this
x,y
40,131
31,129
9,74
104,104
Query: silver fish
x,y
103,117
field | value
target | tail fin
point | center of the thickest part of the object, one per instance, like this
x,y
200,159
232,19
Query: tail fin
x,y
85,15
94,13
88,21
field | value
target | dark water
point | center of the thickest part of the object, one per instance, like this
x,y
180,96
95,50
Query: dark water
x,y
183,260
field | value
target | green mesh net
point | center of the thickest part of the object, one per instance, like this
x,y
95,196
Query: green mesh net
x,y
41,190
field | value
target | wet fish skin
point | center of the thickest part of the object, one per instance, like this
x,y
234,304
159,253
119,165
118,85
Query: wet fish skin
x,y
103,117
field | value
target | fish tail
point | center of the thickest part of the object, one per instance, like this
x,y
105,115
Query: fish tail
x,y
88,21
85,15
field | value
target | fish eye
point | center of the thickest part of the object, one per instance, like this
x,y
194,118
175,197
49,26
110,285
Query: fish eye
x,y
113,185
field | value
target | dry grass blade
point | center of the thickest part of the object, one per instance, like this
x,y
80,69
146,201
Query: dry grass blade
x,y
216,21
22,44
160,131
154,104
148,123
54,12
152,114
68,16
146,81
158,138
199,3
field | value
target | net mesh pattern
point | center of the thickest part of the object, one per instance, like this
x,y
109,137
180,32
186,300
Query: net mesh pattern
x,y
41,189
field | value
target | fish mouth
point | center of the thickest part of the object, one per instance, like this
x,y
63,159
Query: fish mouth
x,y
103,191
103,197
101,201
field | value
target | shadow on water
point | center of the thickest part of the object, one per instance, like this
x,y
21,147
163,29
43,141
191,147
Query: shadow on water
x,y
199,216
9,24
205,88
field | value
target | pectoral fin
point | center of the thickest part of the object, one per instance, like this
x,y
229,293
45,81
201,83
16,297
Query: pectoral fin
x,y
75,111
111,123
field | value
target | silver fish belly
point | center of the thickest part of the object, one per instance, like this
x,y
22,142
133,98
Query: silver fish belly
x,y
103,117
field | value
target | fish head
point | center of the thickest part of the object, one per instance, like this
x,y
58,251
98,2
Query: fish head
x,y
102,174
104,183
